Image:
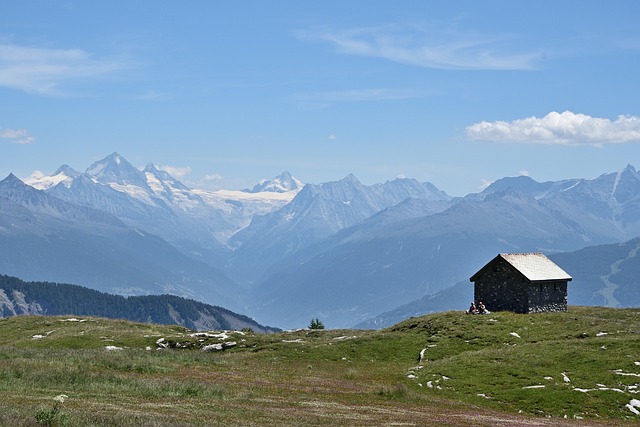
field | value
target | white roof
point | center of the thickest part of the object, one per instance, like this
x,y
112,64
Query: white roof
x,y
536,267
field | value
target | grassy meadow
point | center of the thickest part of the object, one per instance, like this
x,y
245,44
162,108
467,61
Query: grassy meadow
x,y
579,368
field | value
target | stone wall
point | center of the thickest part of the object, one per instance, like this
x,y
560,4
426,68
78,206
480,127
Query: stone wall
x,y
502,288
549,296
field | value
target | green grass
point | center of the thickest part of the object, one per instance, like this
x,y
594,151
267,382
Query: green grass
x,y
475,373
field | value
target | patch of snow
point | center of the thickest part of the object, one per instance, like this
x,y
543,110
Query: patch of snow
x,y
41,182
601,334
411,376
298,340
134,191
112,348
548,378
514,334
533,386
484,395
241,195
565,377
73,319
429,384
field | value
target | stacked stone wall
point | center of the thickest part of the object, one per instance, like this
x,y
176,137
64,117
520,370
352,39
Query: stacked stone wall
x,y
502,288
549,296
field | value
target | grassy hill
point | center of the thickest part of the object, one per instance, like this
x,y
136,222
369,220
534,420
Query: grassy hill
x,y
581,368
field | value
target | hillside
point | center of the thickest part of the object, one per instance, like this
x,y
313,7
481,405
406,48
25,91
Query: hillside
x,y
18,297
579,368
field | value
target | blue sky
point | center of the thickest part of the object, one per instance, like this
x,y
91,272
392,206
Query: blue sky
x,y
223,94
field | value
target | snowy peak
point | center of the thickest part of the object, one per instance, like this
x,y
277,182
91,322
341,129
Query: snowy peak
x,y
626,185
67,171
280,184
115,169
65,174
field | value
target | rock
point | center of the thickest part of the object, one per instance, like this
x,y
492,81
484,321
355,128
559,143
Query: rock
x,y
213,347
112,348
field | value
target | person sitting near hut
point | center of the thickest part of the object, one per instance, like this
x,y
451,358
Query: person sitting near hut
x,y
482,309
472,309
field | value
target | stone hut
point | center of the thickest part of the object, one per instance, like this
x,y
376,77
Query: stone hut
x,y
523,283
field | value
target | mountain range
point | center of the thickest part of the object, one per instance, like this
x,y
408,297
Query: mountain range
x,y
285,252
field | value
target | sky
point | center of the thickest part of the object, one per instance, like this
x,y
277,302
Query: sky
x,y
225,94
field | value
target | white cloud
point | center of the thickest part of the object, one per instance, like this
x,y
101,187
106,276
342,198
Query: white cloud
x,y
214,177
485,183
524,173
17,136
318,100
565,128
176,172
426,47
332,137
44,70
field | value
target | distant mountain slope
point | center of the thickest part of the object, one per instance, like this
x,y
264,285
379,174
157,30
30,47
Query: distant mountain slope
x,y
316,213
45,238
44,298
280,184
606,275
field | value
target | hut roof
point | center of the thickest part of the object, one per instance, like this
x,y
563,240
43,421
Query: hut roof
x,y
536,267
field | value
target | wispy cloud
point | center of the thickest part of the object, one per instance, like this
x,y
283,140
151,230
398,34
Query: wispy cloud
x,y
213,177
565,128
364,95
17,136
178,172
44,70
426,47
316,100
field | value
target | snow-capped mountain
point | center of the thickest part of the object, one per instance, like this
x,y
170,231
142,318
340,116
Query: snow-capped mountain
x,y
198,222
46,238
280,184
